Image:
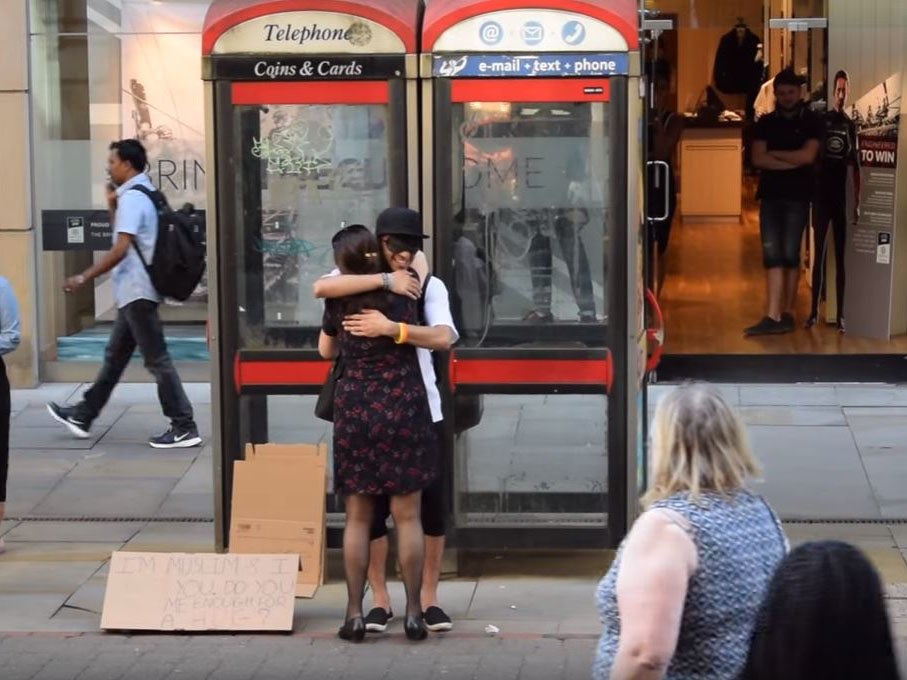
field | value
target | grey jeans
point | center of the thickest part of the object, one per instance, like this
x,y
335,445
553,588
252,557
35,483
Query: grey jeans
x,y
139,325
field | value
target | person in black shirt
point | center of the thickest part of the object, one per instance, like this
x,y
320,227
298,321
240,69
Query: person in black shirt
x,y
840,151
785,147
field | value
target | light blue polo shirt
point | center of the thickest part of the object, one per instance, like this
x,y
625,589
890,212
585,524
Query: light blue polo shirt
x,y
136,215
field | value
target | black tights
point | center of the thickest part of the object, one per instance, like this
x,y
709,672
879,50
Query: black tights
x,y
410,547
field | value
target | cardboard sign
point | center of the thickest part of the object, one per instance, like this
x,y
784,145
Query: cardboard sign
x,y
279,507
193,592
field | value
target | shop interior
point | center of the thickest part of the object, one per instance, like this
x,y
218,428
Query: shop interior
x,y
722,55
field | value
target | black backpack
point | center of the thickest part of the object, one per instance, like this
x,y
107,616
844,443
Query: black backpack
x,y
178,263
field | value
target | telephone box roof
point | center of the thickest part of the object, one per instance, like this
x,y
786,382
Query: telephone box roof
x,y
400,16
440,15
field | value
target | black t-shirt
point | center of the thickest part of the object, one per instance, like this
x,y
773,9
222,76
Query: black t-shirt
x,y
788,134
840,148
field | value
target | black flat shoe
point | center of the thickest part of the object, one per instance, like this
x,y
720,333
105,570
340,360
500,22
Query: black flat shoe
x,y
415,628
353,630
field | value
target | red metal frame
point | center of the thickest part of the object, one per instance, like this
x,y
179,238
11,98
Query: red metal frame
x,y
655,337
439,16
473,372
530,90
326,92
256,373
400,16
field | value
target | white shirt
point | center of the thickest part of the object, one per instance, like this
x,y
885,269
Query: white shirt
x,y
765,100
437,313
136,215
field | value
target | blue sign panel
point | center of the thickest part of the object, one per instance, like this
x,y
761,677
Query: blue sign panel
x,y
528,66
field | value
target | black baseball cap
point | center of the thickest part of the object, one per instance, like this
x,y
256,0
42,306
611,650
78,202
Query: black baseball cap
x,y
399,222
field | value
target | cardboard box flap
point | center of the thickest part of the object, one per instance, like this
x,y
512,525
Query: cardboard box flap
x,y
279,506
306,590
279,490
310,452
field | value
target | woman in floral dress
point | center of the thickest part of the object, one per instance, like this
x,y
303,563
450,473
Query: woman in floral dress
x,y
384,443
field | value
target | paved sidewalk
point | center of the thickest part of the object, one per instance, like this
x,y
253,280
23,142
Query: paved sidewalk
x,y
830,452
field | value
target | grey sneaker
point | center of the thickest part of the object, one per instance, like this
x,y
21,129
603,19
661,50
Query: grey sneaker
x,y
70,416
787,320
176,439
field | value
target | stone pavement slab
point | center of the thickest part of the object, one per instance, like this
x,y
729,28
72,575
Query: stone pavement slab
x,y
784,395
135,497
287,657
73,532
813,473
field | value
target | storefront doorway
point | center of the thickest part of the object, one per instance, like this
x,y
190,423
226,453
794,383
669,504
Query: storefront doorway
x,y
713,278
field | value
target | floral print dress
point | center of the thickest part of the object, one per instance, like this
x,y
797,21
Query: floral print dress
x,y
384,442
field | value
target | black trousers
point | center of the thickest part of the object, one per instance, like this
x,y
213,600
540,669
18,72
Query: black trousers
x,y
5,408
138,325
829,210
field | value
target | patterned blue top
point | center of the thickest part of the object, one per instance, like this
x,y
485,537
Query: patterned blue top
x,y
136,215
739,542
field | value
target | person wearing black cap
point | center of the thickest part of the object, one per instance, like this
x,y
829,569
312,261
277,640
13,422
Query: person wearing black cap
x,y
785,147
384,444
400,234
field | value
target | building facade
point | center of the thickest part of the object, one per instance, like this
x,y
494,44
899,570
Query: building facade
x,y
77,74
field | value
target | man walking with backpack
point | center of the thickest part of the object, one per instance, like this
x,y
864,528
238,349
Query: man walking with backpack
x,y
134,218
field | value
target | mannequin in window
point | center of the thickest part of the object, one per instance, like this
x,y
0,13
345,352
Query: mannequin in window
x,y
735,61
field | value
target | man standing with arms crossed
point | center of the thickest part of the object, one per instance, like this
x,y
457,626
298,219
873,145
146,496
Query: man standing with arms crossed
x,y
399,232
785,147
134,219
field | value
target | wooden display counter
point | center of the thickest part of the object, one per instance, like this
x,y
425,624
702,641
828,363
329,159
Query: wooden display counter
x,y
711,167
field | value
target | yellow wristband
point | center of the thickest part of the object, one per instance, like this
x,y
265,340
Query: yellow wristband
x,y
403,334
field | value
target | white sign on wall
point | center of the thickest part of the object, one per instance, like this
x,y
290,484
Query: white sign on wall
x,y
522,30
309,33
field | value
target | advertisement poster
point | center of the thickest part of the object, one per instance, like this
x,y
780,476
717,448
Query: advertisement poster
x,y
868,296
162,100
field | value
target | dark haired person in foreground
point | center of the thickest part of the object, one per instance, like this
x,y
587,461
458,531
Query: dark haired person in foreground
x,y
823,617
135,223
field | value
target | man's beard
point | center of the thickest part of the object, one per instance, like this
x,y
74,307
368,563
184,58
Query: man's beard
x,y
788,109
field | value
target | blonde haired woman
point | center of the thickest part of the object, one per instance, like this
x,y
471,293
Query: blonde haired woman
x,y
681,598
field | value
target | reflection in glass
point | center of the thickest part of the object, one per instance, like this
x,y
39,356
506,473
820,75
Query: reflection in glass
x,y
530,207
320,166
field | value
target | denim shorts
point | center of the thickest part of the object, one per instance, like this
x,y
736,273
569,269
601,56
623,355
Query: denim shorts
x,y
781,226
